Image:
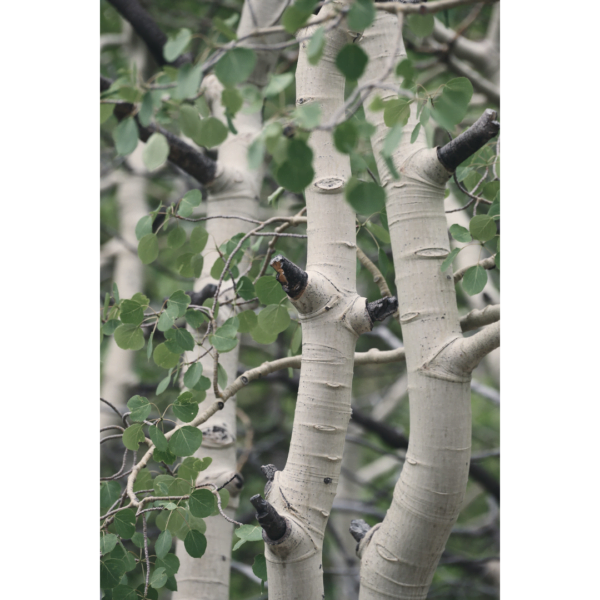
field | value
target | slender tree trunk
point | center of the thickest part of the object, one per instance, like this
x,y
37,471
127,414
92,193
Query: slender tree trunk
x,y
399,557
332,317
234,191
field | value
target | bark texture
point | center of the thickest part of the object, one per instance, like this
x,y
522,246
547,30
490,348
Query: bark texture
x,y
399,558
332,317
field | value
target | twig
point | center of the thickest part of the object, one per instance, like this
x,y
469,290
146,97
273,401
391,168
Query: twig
x,y
486,263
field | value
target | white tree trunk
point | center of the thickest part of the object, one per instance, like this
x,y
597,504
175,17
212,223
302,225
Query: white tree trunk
x,y
235,191
399,557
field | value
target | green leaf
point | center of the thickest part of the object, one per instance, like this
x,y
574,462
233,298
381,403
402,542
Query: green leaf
x,y
129,337
421,25
176,238
345,137
415,133
125,135
202,503
189,265
189,202
156,151
380,232
164,456
259,567
391,141
146,110
144,226
406,70
165,321
296,172
148,248
158,578
158,438
361,15
106,111
109,327
269,290
140,408
170,562
250,533
131,312
164,384
316,46
396,112
245,288
235,66
192,375
185,408
425,114
151,594
189,77
180,300
308,115
198,239
474,280
449,259
365,197
460,234
221,376
275,318
143,481
490,190
194,318
212,132
185,441
179,340
163,357
189,121
111,571
294,17
482,228
222,344
450,107
125,523
494,210
256,153
133,436
263,337
176,44
163,544
107,542
195,543
248,321
124,592
109,493
351,61
277,84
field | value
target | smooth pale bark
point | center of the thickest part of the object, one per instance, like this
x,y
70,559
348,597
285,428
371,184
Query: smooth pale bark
x,y
332,317
399,557
234,191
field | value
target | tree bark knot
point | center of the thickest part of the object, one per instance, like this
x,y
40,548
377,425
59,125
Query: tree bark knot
x,y
442,365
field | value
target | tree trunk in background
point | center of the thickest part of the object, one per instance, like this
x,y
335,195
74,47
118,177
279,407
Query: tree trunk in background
x,y
235,191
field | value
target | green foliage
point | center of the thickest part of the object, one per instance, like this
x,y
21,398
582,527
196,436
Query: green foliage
x,y
351,61
365,197
176,45
235,66
450,107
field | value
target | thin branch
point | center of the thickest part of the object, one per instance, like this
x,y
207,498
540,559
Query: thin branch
x,y
378,278
486,263
473,349
145,26
479,318
425,9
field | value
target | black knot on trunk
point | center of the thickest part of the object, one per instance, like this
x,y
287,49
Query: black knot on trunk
x,y
358,529
291,277
270,520
378,310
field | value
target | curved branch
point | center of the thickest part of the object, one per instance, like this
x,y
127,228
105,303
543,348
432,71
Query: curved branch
x,y
145,26
473,349
487,263
196,164
478,318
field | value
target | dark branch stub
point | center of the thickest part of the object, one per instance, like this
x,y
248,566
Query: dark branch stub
x,y
378,310
359,528
270,520
291,277
466,144
269,472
